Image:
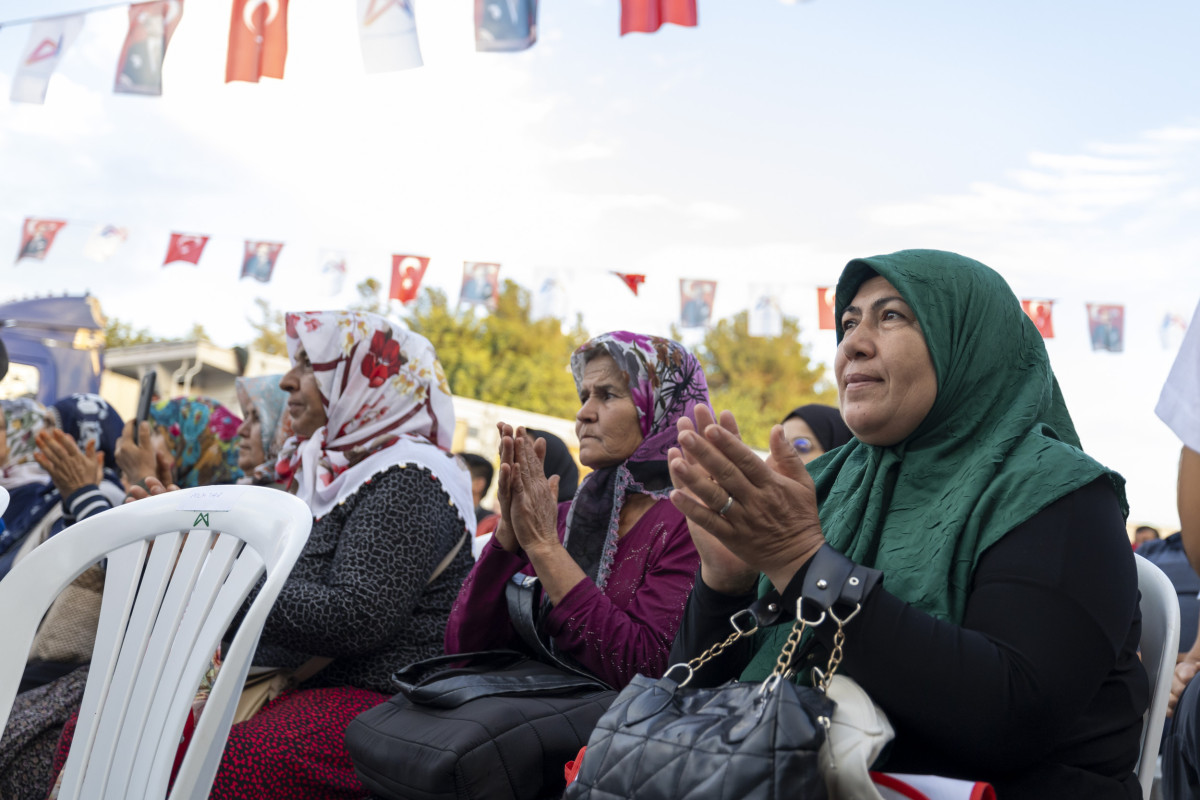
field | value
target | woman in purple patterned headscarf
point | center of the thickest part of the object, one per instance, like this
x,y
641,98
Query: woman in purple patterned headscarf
x,y
616,563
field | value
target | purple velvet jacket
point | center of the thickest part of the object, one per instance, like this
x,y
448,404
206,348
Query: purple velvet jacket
x,y
626,629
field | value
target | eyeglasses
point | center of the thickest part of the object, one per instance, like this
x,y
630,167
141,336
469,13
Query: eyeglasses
x,y
803,444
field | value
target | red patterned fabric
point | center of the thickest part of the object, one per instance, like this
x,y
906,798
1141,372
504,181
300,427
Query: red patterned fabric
x,y
291,750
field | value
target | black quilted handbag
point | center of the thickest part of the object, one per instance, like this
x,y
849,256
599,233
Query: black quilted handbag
x,y
496,725
664,740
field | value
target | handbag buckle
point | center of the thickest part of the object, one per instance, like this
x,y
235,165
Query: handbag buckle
x,y
752,627
681,665
809,622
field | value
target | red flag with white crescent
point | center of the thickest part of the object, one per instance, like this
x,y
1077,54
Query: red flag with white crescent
x,y
185,247
826,298
647,16
37,235
407,272
1041,312
632,280
257,40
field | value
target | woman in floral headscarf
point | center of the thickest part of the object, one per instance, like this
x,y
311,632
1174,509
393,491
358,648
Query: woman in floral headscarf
x,y
192,441
373,421
20,473
616,563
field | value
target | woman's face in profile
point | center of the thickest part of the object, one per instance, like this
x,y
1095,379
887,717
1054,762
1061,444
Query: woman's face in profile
x,y
802,438
305,406
885,377
250,444
607,423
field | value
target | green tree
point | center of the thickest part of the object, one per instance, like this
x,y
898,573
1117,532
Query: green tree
x,y
369,298
269,337
760,379
503,357
123,334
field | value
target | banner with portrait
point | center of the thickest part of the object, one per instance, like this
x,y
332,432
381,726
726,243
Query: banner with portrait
x,y
139,69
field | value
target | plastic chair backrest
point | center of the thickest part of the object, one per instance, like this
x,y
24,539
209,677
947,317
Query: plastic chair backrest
x,y
1159,646
180,566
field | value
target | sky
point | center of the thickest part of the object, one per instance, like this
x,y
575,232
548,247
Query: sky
x,y
1059,143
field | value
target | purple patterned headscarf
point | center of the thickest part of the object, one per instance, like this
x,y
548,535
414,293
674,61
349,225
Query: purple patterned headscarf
x,y
666,383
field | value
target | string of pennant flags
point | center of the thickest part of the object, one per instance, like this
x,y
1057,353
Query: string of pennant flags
x,y
258,38
481,285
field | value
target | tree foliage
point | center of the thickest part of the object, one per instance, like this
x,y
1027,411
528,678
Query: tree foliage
x,y
760,379
270,337
123,334
503,357
369,298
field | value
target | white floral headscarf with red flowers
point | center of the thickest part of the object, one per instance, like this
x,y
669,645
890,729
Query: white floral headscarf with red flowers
x,y
387,403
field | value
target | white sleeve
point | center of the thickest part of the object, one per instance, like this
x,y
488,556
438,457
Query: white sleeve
x,y
1179,402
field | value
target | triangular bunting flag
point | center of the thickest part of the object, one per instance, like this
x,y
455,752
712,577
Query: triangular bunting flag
x,y
387,34
37,235
257,40
139,70
632,280
185,247
407,272
48,40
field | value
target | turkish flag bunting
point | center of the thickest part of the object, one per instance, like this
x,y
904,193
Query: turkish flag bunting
x,y
257,40
37,235
139,69
647,16
407,272
632,280
1106,325
1040,312
826,297
185,247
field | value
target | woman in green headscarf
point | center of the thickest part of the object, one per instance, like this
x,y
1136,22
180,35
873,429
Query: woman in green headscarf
x,y
1001,636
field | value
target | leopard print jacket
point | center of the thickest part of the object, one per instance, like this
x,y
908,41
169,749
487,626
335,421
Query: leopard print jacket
x,y
358,592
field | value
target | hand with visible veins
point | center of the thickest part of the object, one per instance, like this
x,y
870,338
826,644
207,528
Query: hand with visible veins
x,y
772,525
70,468
533,500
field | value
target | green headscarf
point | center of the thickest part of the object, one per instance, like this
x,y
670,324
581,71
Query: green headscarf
x,y
997,447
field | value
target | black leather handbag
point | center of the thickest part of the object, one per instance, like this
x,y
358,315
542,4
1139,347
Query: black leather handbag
x,y
476,726
664,740
499,724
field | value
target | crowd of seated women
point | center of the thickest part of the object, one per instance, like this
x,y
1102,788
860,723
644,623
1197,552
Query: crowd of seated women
x,y
1000,637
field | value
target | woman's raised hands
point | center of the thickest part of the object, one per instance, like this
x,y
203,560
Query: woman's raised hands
x,y
746,515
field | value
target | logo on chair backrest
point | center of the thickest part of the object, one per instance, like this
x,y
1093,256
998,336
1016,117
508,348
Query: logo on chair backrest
x,y
201,517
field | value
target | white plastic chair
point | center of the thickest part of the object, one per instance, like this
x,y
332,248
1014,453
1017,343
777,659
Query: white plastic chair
x,y
1159,646
180,565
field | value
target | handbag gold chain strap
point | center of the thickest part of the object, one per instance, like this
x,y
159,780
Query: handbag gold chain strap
x,y
782,670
